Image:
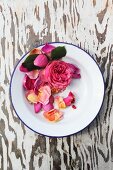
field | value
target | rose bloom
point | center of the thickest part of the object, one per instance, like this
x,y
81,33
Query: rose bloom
x,y
58,75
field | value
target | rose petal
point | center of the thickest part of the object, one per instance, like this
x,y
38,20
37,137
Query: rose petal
x,y
28,83
51,99
58,115
73,67
60,102
48,107
33,74
44,94
53,115
35,51
75,71
76,76
48,48
69,99
37,107
72,97
54,90
41,60
73,106
31,96
47,72
40,81
37,84
23,69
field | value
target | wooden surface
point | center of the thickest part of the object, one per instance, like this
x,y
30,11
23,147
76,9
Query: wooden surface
x,y
24,24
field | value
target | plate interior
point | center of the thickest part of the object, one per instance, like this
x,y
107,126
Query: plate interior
x,y
89,93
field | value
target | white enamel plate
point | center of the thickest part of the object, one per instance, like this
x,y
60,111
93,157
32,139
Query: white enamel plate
x,y
89,92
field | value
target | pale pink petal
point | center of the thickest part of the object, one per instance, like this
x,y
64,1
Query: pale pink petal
x,y
37,84
44,94
58,116
40,81
47,72
23,69
28,83
69,99
41,60
31,96
60,102
48,107
37,107
48,48
33,74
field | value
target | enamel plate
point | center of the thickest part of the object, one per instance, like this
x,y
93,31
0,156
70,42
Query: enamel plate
x,y
89,93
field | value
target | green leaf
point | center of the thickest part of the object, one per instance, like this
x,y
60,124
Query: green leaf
x,y
30,66
58,53
29,62
30,58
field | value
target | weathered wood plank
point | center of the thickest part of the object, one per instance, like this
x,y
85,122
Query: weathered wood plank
x,y
24,24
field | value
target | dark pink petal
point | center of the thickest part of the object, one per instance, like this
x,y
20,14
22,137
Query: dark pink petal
x,y
23,69
37,107
75,71
69,99
73,67
76,76
48,48
48,107
28,83
73,106
71,95
41,60
51,99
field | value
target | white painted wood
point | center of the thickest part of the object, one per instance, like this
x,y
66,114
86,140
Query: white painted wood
x,y
24,24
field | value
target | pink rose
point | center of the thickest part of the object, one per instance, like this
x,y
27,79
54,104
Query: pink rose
x,y
58,75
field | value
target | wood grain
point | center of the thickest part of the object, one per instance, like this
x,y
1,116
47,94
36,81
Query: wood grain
x,y
24,24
